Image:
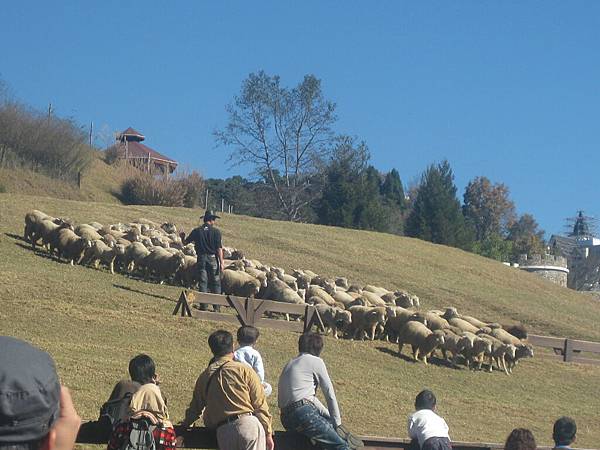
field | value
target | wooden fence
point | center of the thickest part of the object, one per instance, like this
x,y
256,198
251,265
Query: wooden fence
x,y
203,438
567,350
249,311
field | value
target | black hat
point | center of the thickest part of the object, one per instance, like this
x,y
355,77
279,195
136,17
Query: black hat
x,y
29,392
209,215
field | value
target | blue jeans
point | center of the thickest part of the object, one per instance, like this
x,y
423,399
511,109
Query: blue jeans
x,y
307,420
209,277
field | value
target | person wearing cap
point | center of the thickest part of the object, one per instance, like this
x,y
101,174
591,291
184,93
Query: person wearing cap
x,y
36,413
231,399
209,251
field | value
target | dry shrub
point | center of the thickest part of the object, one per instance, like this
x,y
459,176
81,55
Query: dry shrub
x,y
146,189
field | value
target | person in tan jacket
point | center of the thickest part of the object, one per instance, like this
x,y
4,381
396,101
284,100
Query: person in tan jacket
x,y
231,400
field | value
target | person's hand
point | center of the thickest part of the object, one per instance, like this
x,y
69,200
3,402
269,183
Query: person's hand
x,y
270,443
179,441
67,425
182,235
156,379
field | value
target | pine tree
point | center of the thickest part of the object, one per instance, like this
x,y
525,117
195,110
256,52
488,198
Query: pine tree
x,y
436,215
392,190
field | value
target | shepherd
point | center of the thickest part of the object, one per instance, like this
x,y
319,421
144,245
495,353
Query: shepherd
x,y
209,251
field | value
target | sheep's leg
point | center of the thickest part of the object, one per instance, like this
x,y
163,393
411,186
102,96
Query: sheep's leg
x,y
373,332
490,368
503,361
415,353
111,266
400,345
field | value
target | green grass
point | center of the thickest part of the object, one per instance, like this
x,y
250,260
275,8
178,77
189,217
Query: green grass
x,y
93,323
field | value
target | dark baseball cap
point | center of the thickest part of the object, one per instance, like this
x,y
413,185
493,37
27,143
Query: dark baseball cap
x,y
29,391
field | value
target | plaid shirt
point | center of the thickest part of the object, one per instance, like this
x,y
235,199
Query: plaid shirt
x,y
163,437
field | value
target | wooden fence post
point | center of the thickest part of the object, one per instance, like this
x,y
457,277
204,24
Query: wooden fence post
x,y
568,356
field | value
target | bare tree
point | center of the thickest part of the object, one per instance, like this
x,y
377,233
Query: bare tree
x,y
283,134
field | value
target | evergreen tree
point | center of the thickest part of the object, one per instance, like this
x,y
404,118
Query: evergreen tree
x,y
392,190
436,215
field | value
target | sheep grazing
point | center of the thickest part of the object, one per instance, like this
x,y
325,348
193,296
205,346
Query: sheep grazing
x,y
479,348
463,325
406,300
343,297
397,317
422,340
134,255
435,322
505,336
521,351
32,219
162,264
278,291
317,291
498,352
453,344
99,252
334,319
70,246
373,299
239,283
365,321
187,274
88,232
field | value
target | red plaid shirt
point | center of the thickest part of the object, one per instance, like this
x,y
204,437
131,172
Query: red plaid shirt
x,y
163,437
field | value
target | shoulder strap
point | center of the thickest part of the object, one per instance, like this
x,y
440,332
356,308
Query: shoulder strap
x,y
212,376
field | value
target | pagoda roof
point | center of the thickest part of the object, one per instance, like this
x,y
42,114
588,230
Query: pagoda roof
x,y
133,133
139,150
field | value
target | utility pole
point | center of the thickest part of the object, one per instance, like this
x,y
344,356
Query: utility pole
x,y
222,204
91,132
206,200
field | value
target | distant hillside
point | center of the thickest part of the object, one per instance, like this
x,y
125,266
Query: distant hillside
x,y
100,182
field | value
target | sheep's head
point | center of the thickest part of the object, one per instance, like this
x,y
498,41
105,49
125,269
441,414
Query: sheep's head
x,y
345,317
355,288
251,288
415,301
342,282
329,286
278,271
169,227
524,351
450,313
510,350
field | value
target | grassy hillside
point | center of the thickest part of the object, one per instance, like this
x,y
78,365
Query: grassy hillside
x,y
100,182
93,323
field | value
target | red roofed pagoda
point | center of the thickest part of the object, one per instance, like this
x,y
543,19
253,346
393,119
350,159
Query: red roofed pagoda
x,y
130,148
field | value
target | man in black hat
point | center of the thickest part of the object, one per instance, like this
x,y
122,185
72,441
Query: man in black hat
x,y
36,413
209,251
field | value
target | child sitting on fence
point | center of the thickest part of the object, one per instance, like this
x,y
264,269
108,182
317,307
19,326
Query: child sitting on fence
x,y
424,425
246,353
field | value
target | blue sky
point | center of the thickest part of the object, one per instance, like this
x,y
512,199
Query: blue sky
x,y
505,89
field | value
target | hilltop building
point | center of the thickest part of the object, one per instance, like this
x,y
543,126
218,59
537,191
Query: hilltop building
x,y
129,147
582,252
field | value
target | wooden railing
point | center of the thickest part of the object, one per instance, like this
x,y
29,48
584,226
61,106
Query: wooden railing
x,y
249,311
567,350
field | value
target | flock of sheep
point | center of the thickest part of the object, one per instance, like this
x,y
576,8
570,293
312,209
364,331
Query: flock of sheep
x,y
153,250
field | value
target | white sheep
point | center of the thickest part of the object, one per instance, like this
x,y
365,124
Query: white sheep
x,y
422,340
239,283
365,320
334,319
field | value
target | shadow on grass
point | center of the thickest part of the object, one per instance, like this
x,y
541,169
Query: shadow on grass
x,y
40,253
433,360
149,294
15,236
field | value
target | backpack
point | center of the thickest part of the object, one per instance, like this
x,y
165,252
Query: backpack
x,y
141,436
112,410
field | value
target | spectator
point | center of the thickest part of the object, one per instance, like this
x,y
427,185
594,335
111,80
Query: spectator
x,y
209,251
147,411
429,429
246,353
231,400
520,439
35,411
564,432
300,409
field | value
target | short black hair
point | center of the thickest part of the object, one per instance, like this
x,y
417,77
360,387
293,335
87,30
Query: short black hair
x,y
220,343
247,334
425,400
142,369
564,431
310,343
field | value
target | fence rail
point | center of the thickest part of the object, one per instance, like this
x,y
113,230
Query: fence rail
x,y
567,350
203,438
